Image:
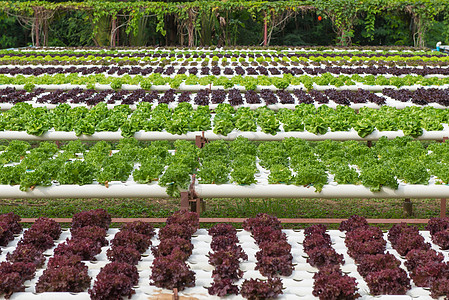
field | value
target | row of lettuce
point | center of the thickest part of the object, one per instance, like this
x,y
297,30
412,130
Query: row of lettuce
x,y
226,69
223,120
66,270
154,56
248,82
292,161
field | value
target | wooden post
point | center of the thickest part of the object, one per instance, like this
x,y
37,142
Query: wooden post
x,y
408,207
443,208
175,294
265,31
185,202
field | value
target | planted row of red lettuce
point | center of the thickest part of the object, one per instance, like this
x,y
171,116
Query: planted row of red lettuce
x,y
169,269
216,70
202,97
226,260
22,263
380,270
420,97
117,279
250,54
425,265
66,271
329,281
274,258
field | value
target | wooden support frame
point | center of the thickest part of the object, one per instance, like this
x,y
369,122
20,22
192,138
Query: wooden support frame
x,y
240,220
408,207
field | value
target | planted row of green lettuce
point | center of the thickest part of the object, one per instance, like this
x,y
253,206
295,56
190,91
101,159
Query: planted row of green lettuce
x,y
231,56
250,83
222,120
292,161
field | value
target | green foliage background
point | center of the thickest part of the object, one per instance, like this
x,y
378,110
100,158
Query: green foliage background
x,y
144,23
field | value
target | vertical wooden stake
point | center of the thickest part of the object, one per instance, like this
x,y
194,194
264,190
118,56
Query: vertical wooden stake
x,y
443,208
408,207
185,200
175,294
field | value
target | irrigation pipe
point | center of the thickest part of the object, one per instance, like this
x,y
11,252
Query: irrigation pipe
x,y
191,136
122,190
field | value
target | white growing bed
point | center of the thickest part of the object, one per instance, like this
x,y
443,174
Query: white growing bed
x,y
297,286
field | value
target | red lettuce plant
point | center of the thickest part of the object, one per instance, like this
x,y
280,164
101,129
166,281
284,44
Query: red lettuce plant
x,y
11,283
372,263
441,238
94,233
407,242
316,241
26,253
83,247
223,241
166,247
6,235
26,270
256,289
439,287
58,261
117,268
97,217
331,284
417,257
265,233
111,287
39,240
124,254
424,275
317,229
388,282
63,279
397,230
131,239
358,250
13,221
222,229
354,222
274,248
185,217
47,226
275,265
437,224
363,241
223,287
140,227
171,273
321,257
261,220
176,230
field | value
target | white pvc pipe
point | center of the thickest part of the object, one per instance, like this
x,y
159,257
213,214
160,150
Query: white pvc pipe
x,y
122,190
191,136
115,190
329,191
